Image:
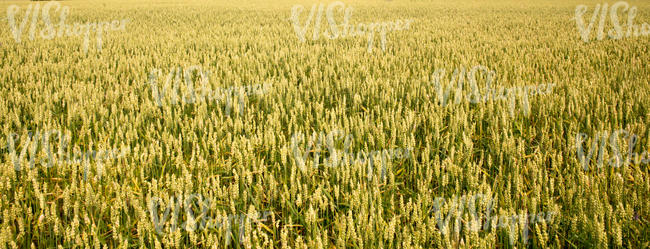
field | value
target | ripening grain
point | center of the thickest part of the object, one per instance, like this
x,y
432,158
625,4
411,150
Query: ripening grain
x,y
240,170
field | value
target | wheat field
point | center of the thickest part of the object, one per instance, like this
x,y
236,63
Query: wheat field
x,y
250,124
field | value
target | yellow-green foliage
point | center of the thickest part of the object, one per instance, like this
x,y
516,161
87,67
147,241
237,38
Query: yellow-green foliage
x,y
243,162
